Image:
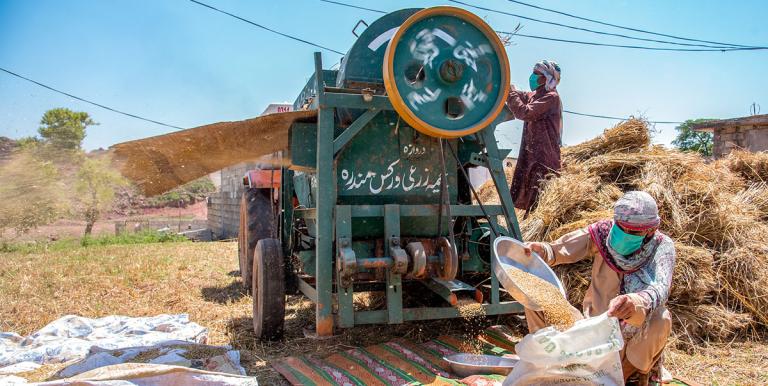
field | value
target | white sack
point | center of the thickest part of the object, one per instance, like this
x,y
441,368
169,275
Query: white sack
x,y
585,354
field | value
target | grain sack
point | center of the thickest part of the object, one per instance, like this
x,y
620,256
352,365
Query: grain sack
x,y
585,354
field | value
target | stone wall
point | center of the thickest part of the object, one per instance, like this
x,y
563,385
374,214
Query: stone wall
x,y
752,138
224,205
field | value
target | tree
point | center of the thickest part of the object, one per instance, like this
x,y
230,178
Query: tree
x,y
689,140
95,187
31,192
64,129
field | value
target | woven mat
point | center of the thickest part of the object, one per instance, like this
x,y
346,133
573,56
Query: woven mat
x,y
398,362
401,362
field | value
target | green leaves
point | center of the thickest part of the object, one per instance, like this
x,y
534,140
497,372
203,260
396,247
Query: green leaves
x,y
689,140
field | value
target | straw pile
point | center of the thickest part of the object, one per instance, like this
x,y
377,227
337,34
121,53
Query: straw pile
x,y
716,212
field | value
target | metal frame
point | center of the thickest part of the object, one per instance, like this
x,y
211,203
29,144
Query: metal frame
x,y
334,221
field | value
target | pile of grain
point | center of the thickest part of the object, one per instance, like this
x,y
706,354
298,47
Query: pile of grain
x,y
554,306
717,213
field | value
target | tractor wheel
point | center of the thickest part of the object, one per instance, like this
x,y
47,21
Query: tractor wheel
x,y
255,224
268,289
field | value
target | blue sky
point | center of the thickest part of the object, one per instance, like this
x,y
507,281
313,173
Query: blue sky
x,y
180,63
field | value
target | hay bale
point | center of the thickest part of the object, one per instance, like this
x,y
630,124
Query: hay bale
x,y
755,195
697,323
751,166
694,280
624,169
625,137
585,218
720,221
559,202
487,191
743,275
658,179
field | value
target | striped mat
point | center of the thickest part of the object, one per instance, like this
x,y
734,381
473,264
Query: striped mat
x,y
398,362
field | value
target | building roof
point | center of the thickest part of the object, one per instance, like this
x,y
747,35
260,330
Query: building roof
x,y
754,120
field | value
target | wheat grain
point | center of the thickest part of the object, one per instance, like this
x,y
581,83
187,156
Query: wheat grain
x,y
554,306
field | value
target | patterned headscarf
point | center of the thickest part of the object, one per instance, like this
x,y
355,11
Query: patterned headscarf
x,y
636,211
551,72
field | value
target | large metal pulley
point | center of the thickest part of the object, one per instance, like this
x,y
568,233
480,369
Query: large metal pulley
x,y
446,72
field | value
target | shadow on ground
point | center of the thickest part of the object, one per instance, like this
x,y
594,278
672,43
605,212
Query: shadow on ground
x,y
223,295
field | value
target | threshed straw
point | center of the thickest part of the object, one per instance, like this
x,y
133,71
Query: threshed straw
x,y
744,273
694,280
751,166
625,137
707,322
717,213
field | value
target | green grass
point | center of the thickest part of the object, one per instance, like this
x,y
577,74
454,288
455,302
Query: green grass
x,y
143,237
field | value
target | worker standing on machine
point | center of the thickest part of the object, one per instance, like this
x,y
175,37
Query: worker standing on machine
x,y
542,112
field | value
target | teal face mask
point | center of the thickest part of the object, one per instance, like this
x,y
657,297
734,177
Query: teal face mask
x,y
624,243
533,81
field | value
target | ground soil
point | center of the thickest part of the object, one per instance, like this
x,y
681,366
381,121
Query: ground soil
x,y
201,279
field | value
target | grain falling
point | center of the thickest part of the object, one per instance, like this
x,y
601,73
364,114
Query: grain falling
x,y
470,309
554,306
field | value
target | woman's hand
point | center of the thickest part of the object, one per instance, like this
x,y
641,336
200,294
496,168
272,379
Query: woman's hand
x,y
536,247
622,307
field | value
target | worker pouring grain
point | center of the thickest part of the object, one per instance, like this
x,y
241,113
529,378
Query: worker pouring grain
x,y
542,112
631,277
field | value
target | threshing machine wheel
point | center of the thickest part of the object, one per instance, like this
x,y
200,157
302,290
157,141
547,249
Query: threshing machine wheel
x,y
268,289
446,72
450,259
255,224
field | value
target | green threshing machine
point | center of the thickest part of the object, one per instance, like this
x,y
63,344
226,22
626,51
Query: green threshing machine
x,y
377,196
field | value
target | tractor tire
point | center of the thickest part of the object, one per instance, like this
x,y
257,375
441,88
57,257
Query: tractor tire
x,y
255,224
268,289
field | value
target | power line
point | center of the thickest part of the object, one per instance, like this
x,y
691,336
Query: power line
x,y
352,6
622,27
268,29
616,118
91,102
647,48
632,47
592,31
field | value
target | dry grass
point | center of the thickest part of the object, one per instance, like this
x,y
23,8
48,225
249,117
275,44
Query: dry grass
x,y
752,166
722,364
195,278
625,137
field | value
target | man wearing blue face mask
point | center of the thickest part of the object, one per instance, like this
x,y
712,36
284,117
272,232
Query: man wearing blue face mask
x,y
541,110
631,277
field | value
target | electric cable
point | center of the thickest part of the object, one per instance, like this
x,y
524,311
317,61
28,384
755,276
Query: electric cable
x,y
90,102
268,29
624,27
594,31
